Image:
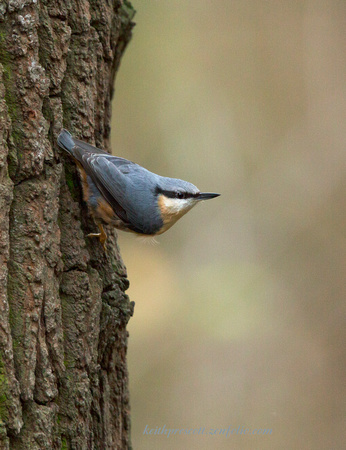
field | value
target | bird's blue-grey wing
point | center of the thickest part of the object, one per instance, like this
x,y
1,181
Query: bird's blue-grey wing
x,y
121,163
126,195
114,197
88,147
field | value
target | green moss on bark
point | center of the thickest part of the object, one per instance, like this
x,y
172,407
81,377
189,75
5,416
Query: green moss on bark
x,y
3,392
72,182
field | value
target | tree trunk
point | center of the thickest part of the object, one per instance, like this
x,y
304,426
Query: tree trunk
x,y
63,338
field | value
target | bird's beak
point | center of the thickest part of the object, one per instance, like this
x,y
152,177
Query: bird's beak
x,y
206,195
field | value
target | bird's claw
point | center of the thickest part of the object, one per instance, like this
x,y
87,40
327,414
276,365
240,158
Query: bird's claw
x,y
102,236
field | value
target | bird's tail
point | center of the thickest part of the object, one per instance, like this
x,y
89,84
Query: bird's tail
x,y
65,141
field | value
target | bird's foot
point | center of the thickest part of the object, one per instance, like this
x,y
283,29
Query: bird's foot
x,y
102,236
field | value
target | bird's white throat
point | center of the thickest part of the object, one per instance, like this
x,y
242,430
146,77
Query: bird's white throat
x,y
172,209
178,206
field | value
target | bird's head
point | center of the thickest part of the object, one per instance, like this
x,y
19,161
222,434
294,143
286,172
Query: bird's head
x,y
175,198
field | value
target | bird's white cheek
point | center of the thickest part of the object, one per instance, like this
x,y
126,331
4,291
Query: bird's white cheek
x,y
172,210
177,206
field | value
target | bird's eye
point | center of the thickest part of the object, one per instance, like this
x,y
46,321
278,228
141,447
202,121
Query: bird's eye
x,y
180,194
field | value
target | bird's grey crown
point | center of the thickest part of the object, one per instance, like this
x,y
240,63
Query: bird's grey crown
x,y
139,176
175,188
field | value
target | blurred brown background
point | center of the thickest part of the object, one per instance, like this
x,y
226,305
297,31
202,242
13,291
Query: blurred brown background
x,y
240,311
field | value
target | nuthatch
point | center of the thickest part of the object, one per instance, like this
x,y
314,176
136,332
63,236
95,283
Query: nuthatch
x,y
127,196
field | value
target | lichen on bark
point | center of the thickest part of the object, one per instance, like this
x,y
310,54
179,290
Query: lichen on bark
x,y
63,338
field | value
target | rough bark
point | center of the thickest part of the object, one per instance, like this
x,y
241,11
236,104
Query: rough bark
x,y
63,338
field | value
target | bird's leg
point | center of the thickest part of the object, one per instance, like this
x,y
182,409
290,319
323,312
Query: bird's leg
x,y
102,235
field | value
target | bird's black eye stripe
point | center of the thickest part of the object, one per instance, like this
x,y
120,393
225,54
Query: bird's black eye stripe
x,y
175,194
